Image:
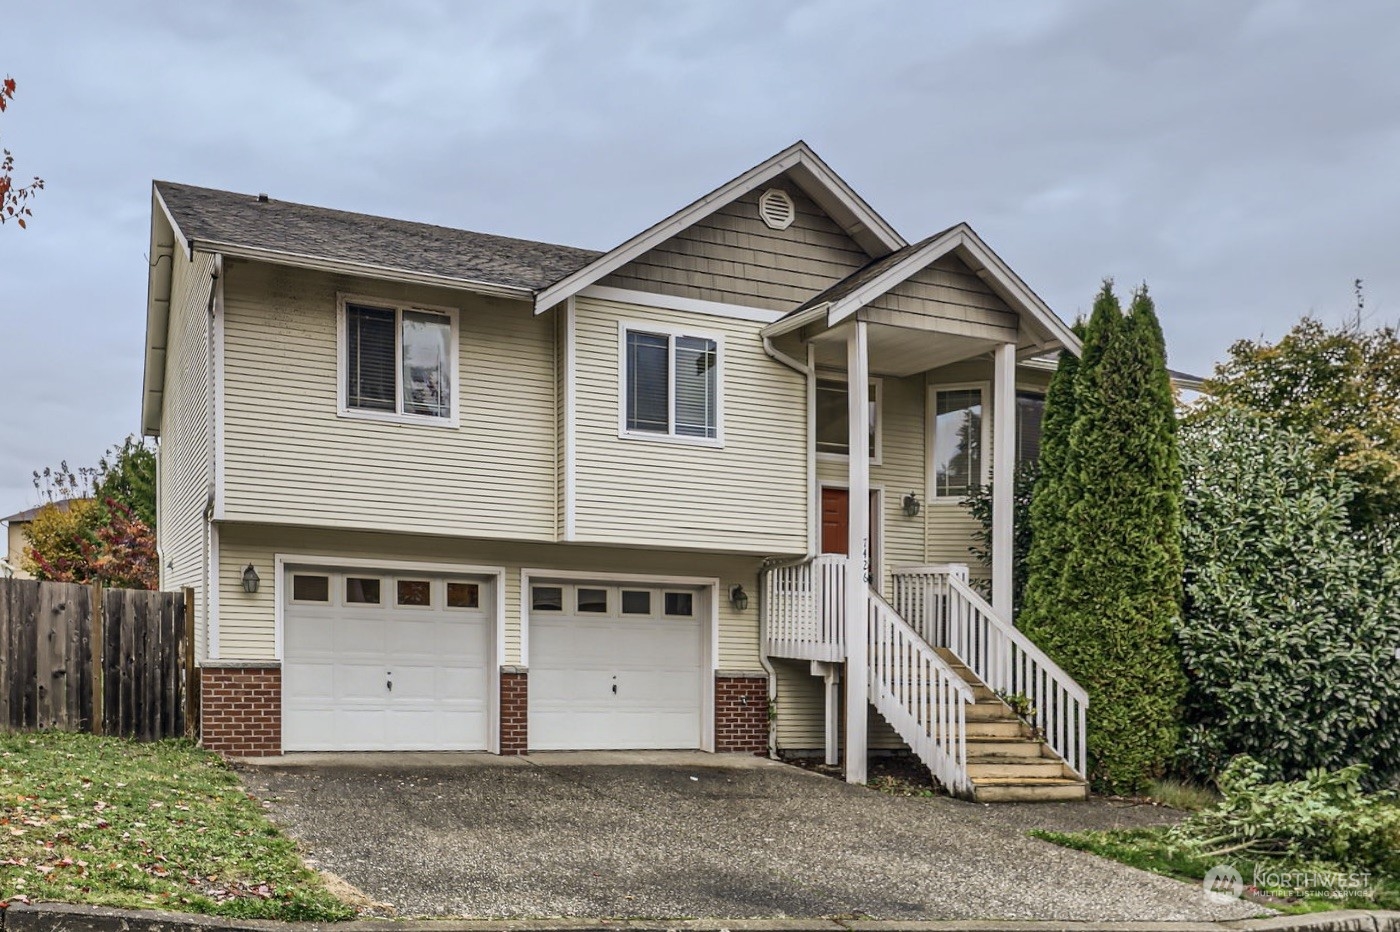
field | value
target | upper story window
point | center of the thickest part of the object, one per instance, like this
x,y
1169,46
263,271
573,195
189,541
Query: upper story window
x,y
834,418
1030,411
398,362
959,440
671,385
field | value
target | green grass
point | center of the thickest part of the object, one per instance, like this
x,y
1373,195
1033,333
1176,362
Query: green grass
x,y
1178,795
1148,849
111,822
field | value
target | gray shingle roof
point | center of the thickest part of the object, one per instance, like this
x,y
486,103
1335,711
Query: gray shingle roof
x,y
207,215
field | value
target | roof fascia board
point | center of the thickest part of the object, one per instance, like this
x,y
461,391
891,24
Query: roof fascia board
x,y
160,263
365,270
959,237
842,203
796,321
823,179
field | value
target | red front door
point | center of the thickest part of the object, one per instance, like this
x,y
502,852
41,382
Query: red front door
x,y
836,520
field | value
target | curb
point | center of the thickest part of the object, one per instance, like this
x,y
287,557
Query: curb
x,y
61,917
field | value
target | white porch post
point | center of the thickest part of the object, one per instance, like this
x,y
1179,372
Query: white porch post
x,y
858,550
1003,476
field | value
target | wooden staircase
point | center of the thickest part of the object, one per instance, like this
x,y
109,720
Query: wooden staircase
x,y
1006,762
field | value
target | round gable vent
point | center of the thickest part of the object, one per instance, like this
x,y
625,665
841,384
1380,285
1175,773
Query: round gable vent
x,y
776,209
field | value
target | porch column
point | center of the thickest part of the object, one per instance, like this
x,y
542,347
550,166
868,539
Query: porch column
x,y
1003,476
858,550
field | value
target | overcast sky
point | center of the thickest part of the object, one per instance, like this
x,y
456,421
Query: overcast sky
x,y
1243,158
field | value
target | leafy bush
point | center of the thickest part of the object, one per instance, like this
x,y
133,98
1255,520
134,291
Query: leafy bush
x,y
1292,616
1324,818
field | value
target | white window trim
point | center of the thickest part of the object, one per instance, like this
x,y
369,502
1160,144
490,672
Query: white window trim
x,y
877,383
627,326
930,436
343,408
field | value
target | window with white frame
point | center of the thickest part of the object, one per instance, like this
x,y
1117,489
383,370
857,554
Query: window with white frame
x,y
834,418
1030,412
398,361
670,384
958,441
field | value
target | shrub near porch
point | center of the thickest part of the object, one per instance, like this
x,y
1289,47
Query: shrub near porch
x,y
111,822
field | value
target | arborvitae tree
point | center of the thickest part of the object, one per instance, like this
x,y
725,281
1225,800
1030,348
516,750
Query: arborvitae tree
x,y
1114,527
1050,500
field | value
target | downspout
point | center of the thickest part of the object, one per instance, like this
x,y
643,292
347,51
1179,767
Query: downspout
x,y
809,371
211,572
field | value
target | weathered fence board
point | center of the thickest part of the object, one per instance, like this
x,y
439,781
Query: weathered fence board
x,y
81,658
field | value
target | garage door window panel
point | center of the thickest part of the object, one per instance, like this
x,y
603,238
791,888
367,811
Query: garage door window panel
x,y
315,590
636,602
463,595
362,590
547,598
413,593
680,604
593,601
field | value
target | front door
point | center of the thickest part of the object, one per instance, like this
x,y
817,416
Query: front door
x,y
836,521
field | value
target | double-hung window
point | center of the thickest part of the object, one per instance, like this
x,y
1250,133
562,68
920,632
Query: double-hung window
x,y
398,362
834,417
959,441
1030,411
671,385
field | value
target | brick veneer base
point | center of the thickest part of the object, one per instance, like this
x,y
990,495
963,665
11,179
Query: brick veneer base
x,y
515,710
241,710
741,713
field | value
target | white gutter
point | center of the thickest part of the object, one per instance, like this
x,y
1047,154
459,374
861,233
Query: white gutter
x,y
789,324
809,371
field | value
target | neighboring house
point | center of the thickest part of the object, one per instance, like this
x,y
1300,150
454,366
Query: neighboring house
x,y
17,537
441,490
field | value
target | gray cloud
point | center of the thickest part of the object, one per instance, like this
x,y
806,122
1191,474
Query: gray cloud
x,y
1238,156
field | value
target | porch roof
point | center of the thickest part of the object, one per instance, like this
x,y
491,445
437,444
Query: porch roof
x,y
1035,328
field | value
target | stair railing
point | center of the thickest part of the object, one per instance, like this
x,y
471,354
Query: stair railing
x,y
920,695
947,612
805,609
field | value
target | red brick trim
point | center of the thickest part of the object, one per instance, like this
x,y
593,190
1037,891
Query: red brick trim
x,y
515,710
241,710
741,713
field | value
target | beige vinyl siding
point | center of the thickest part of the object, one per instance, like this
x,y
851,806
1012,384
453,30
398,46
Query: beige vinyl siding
x,y
734,257
949,293
749,496
247,621
292,459
185,457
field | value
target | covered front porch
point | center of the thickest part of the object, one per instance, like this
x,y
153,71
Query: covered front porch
x,y
928,347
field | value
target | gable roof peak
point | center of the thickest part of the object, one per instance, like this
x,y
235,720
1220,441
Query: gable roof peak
x,y
800,163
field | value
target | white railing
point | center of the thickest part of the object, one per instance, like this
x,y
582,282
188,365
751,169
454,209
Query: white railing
x,y
805,609
920,695
940,605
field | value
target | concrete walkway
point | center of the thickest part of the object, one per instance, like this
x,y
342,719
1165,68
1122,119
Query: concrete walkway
x,y
671,835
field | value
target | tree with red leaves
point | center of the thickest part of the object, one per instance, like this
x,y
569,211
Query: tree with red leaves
x,y
13,200
119,551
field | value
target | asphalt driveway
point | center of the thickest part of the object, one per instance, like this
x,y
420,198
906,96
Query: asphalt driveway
x,y
682,835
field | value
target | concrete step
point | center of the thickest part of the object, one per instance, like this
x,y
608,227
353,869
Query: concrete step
x,y
977,748
999,767
1029,790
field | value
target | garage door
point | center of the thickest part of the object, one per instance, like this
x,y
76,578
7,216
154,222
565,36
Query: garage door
x,y
616,667
380,661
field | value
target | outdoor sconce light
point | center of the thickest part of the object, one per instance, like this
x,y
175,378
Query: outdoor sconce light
x,y
912,505
250,579
738,598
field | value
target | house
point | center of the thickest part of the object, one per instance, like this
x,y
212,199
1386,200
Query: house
x,y
437,489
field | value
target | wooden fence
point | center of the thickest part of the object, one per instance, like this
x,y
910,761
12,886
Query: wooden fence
x,y
108,661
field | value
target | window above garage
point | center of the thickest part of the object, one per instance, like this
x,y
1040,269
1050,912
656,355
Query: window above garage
x,y
671,385
397,362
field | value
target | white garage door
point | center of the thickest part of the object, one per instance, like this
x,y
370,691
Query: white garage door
x,y
616,667
380,662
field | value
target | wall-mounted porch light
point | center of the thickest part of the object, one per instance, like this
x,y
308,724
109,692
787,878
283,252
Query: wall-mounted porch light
x,y
912,505
738,598
250,579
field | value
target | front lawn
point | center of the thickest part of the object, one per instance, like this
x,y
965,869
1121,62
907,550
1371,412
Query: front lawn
x,y
111,822
1151,849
